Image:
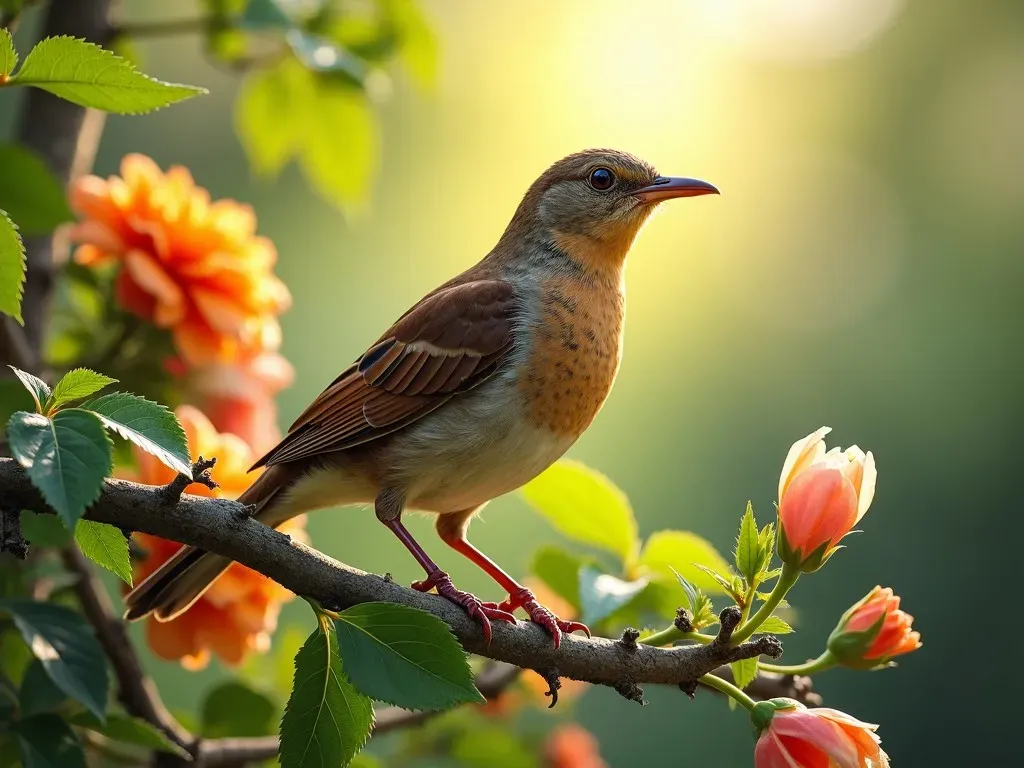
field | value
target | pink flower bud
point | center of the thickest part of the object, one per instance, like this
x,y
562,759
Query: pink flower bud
x,y
873,631
822,495
799,737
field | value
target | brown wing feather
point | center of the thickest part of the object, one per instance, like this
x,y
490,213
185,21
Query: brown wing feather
x,y
451,341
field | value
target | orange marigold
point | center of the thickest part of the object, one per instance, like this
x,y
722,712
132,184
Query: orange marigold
x,y
239,612
189,264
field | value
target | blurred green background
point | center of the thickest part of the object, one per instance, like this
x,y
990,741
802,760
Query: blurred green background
x,y
863,268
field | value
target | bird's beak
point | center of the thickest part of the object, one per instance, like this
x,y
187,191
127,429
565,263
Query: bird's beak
x,y
666,187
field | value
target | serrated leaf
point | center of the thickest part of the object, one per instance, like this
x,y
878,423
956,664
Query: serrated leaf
x,y
90,76
8,54
151,426
680,550
766,546
30,193
744,672
723,584
130,730
66,457
602,594
560,571
586,506
688,588
747,550
404,656
772,574
76,384
67,648
773,625
38,693
12,268
327,721
46,741
233,709
44,530
36,387
106,546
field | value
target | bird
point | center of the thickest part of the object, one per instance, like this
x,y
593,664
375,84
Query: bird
x,y
478,388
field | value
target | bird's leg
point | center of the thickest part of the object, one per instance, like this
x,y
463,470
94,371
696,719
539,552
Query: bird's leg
x,y
452,530
385,506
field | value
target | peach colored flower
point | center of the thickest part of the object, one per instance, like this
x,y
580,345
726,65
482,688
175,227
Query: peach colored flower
x,y
189,264
239,612
572,746
797,737
873,631
822,495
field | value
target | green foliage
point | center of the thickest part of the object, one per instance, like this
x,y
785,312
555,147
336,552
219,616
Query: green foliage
x,y
327,721
12,268
38,693
106,546
90,76
74,385
702,611
67,457
152,427
492,747
36,387
747,550
744,672
129,730
668,552
585,506
560,571
46,741
404,656
603,594
65,645
29,192
773,625
264,14
44,530
235,709
8,55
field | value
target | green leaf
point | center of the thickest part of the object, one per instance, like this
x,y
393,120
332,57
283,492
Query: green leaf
x,y
44,530
418,46
264,14
152,427
46,741
747,546
66,457
495,746
773,625
76,384
744,672
602,594
682,552
585,506
130,730
38,693
12,268
327,721
766,546
106,546
234,709
560,571
68,650
8,55
270,115
30,193
90,76
35,386
404,656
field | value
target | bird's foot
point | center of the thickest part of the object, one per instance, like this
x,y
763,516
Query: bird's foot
x,y
524,598
478,611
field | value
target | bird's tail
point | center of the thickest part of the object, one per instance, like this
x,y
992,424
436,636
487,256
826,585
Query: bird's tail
x,y
174,587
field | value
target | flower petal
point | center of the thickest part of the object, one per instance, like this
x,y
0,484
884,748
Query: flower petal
x,y
802,454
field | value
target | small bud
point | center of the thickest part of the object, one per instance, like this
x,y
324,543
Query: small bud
x,y
873,631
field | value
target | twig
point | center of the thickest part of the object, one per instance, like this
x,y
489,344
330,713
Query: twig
x,y
171,493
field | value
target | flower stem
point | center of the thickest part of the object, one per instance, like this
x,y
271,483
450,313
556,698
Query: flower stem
x,y
786,581
820,664
713,681
672,635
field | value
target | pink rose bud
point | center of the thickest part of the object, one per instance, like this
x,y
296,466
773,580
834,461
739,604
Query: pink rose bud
x,y
792,736
822,495
873,631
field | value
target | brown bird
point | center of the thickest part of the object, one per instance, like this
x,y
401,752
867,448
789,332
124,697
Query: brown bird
x,y
474,391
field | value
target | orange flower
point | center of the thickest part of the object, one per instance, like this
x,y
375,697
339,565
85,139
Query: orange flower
x,y
239,612
572,746
189,264
873,631
822,495
793,736
536,684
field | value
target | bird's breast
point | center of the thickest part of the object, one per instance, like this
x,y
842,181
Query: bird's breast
x,y
574,348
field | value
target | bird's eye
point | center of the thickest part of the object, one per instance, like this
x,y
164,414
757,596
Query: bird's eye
x,y
602,179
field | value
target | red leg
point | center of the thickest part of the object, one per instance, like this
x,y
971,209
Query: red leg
x,y
452,531
439,580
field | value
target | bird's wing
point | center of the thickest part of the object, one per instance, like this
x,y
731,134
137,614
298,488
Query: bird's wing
x,y
448,343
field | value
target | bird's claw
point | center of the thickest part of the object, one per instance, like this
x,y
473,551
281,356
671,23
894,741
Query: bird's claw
x,y
477,610
538,614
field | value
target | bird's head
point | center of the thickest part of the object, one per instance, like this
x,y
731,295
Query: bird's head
x,y
592,204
